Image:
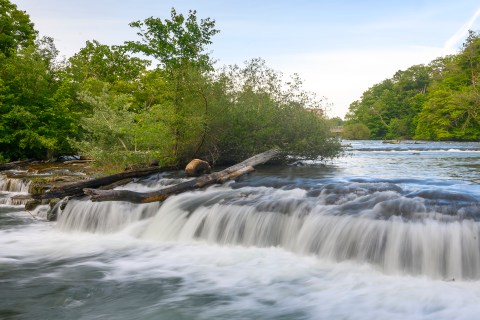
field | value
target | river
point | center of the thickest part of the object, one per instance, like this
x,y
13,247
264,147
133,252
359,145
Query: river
x,y
389,231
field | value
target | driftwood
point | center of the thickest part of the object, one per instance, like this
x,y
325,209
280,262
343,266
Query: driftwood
x,y
76,189
13,165
206,180
77,161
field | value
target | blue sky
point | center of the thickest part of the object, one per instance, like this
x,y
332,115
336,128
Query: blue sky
x,y
340,48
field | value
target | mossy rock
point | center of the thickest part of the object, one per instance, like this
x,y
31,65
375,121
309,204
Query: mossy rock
x,y
32,204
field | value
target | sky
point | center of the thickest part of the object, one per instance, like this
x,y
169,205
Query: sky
x,y
339,48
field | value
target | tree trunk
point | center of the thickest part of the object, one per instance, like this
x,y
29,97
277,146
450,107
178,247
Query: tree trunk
x,y
13,165
76,189
232,172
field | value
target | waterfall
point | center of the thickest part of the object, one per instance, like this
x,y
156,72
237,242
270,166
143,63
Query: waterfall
x,y
432,233
102,217
14,185
9,201
419,242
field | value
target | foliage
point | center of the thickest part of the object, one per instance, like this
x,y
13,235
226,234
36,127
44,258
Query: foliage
x,y
257,111
440,101
356,131
107,103
390,108
34,117
111,134
16,30
452,111
175,42
335,122
104,63
179,46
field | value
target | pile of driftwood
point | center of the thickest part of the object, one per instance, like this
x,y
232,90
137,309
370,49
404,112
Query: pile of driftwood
x,y
101,189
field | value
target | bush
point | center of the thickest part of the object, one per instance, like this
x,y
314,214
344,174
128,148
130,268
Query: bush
x,y
356,131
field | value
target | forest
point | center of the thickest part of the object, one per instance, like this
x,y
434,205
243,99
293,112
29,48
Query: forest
x,y
157,99
438,101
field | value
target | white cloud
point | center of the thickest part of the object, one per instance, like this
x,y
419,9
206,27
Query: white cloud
x,y
460,34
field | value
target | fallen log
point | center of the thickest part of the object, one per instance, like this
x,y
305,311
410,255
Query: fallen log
x,y
77,161
76,189
232,172
14,164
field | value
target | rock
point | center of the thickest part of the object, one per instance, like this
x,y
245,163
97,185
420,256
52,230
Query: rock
x,y
56,207
197,167
32,204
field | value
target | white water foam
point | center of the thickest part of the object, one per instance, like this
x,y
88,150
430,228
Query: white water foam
x,y
361,222
252,282
428,247
102,217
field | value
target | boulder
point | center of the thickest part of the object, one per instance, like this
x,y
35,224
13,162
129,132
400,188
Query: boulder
x,y
197,167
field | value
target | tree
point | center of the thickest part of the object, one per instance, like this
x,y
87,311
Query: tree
x,y
175,42
35,120
253,109
16,30
105,63
390,108
179,46
452,110
356,131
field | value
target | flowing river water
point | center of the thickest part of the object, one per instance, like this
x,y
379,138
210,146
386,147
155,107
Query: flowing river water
x,y
389,231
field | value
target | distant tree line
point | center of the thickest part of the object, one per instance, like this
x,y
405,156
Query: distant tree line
x,y
158,98
438,101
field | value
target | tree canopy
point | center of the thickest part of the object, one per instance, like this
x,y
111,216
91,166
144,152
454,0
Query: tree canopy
x,y
110,103
438,101
16,30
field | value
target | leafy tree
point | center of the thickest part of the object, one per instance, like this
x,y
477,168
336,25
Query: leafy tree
x,y
440,101
34,119
175,42
179,46
336,121
390,108
452,111
256,110
16,30
356,131
105,63
106,103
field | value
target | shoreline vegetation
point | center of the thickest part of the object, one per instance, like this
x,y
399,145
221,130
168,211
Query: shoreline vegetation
x,y
439,101
157,100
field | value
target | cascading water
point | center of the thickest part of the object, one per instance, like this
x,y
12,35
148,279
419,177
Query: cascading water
x,y
102,217
105,217
376,222
396,233
379,234
14,184
10,187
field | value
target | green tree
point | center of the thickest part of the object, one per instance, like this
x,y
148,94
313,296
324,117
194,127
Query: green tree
x,y
110,64
452,111
179,45
257,110
16,30
175,42
390,108
356,131
34,117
